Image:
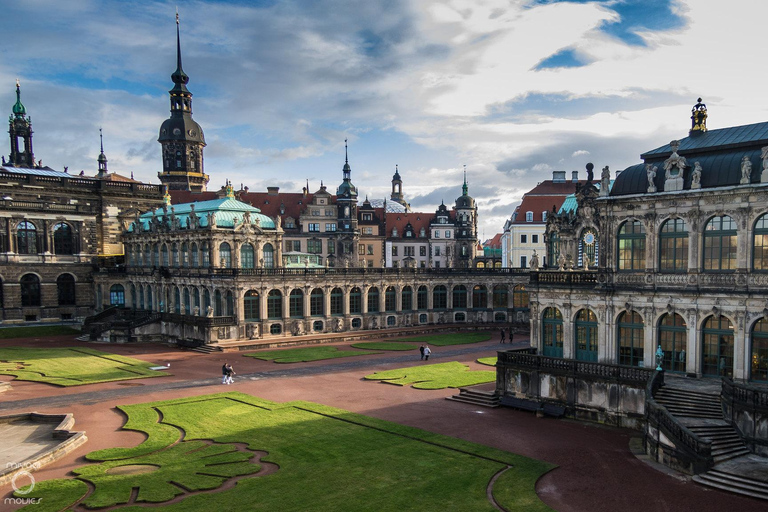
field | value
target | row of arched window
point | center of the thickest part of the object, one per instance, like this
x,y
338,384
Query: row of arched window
x,y
29,240
717,335
718,245
196,256
29,288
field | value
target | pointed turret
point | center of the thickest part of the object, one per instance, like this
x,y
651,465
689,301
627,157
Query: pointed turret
x,y
20,130
102,157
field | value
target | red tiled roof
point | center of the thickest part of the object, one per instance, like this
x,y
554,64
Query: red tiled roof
x,y
418,220
537,205
495,242
549,187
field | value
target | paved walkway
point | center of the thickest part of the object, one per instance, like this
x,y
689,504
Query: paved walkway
x,y
23,439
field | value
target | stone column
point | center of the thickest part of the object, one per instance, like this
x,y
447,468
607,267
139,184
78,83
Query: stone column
x,y
364,298
286,304
569,349
650,335
693,348
740,369
307,290
327,300
263,303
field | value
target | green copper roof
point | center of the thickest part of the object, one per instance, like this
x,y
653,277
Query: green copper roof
x,y
227,210
18,108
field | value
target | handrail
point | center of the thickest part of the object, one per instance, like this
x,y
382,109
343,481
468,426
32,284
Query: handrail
x,y
323,271
574,367
107,312
744,394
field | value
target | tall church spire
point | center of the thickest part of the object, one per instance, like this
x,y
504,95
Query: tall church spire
x,y
180,136
20,130
102,157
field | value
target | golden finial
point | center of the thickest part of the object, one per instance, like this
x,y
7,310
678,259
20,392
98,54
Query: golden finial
x,y
167,196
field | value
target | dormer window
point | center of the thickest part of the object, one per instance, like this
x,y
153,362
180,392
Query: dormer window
x,y
422,232
528,216
544,216
394,231
367,216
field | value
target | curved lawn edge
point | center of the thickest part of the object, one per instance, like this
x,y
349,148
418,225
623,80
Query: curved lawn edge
x,y
444,340
306,354
511,489
385,345
488,361
452,374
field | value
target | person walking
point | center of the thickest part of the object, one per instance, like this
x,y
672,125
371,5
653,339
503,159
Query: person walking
x,y
502,335
511,335
230,374
421,350
224,372
427,351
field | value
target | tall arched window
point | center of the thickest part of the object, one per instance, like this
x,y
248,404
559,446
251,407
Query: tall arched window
x,y
296,304
422,298
149,298
30,290
553,248
196,299
759,351
520,297
205,255
630,331
217,306
717,341
117,295
251,306
246,256
589,246
672,338
195,255
229,302
406,297
156,255
673,246
62,238
316,302
439,297
760,244
355,301
164,250
500,297
185,255
206,300
274,305
133,296
479,297
26,238
225,255
176,300
269,256
187,305
373,300
390,299
460,297
585,336
65,286
720,244
552,332
337,301
141,297
175,254
147,256
631,246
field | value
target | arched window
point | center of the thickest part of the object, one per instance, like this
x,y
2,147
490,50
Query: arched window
x,y
185,255
480,264
251,306
631,338
62,239
585,336
156,255
673,246
246,256
217,306
196,300
269,256
147,256
225,255
149,298
589,247
165,255
759,351
117,295
26,238
500,297
205,255
175,255
406,296
459,297
230,303
717,341
520,298
316,302
141,297
553,248
390,299
206,300
373,300
65,286
296,304
672,338
439,297
552,332
195,255
422,296
187,305
274,304
479,297
337,301
133,296
760,244
720,244
176,300
355,301
631,246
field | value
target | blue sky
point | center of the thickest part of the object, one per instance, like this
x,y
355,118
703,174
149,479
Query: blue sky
x,y
514,89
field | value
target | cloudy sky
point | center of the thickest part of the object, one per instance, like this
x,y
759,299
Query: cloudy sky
x,y
513,89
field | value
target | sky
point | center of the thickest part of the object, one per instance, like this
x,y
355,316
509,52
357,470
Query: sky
x,y
511,89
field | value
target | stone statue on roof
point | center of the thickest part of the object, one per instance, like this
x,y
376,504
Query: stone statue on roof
x,y
746,171
696,176
605,181
650,170
764,174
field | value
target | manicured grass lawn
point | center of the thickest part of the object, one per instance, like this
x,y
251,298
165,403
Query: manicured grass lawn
x,y
435,376
385,345
71,366
328,460
490,361
443,340
41,331
304,354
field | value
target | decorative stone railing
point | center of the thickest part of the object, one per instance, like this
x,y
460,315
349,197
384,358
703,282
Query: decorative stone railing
x,y
746,408
568,278
576,368
142,189
324,271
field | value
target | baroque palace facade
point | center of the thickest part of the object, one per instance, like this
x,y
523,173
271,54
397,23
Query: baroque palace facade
x,y
673,255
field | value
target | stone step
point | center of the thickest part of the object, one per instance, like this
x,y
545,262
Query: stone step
x,y
482,403
206,349
726,475
693,402
734,443
742,486
480,394
729,454
688,392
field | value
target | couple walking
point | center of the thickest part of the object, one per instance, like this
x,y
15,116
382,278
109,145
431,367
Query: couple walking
x,y
425,351
226,374
502,335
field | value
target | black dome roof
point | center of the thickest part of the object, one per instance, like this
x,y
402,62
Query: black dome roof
x,y
181,128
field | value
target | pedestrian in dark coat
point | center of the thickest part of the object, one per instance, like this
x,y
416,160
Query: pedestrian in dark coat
x,y
421,350
502,335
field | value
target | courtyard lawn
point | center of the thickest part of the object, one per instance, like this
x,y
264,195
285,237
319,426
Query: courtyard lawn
x,y
455,338
490,361
291,456
305,354
71,366
385,345
8,333
435,376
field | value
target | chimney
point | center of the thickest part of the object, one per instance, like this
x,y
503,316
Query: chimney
x,y
558,176
575,176
618,172
272,191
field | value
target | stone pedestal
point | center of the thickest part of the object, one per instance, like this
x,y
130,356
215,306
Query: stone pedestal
x,y
673,184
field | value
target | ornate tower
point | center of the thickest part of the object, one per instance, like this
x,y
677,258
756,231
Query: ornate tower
x,y
20,130
102,158
466,226
397,188
181,137
346,202
698,118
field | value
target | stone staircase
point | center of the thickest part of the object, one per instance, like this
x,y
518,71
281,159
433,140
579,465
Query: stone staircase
x,y
476,397
206,349
726,442
735,480
685,403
